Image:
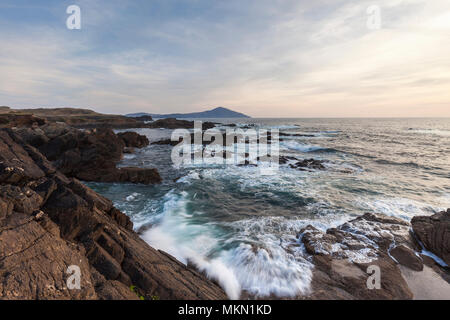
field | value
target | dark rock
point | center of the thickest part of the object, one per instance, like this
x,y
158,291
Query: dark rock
x,y
143,118
128,150
308,164
434,233
295,163
284,134
172,123
89,155
166,142
286,159
49,222
11,120
133,139
407,257
34,263
16,165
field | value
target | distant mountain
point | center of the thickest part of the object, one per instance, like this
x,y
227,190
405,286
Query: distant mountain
x,y
214,113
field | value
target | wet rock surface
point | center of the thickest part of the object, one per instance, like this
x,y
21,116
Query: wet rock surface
x,y
49,222
345,257
89,155
304,164
434,233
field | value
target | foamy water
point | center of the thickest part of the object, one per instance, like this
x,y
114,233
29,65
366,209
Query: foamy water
x,y
241,228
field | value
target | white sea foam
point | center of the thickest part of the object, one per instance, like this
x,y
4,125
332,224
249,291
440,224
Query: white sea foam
x,y
216,269
437,132
294,145
132,196
192,175
269,259
263,272
129,156
273,263
187,241
434,257
397,207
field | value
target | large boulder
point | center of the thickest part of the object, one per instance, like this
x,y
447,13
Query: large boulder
x,y
133,139
434,233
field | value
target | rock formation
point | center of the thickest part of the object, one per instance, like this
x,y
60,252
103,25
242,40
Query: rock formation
x,y
342,257
49,222
80,118
172,123
89,155
434,233
133,140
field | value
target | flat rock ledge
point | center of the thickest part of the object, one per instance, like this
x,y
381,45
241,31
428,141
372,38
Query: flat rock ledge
x,y
49,222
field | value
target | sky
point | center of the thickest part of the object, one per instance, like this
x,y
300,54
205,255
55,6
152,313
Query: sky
x,y
265,58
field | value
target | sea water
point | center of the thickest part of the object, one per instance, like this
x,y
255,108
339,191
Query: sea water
x,y
241,228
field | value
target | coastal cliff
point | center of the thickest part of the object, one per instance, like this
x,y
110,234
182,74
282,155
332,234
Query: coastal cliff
x,y
49,222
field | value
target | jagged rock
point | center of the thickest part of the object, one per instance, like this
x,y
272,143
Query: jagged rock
x,y
342,256
16,166
34,262
24,199
133,139
434,233
308,164
49,222
285,134
295,163
89,155
407,257
34,136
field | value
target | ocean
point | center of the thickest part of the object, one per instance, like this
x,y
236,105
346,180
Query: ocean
x,y
241,227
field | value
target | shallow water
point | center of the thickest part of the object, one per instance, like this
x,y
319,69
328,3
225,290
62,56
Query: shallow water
x,y
241,227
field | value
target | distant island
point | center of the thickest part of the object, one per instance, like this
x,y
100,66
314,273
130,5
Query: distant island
x,y
219,112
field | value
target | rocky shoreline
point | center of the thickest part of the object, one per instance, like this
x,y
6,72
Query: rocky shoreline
x,y
49,221
342,256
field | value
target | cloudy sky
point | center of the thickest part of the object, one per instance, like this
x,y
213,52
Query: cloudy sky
x,y
266,58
